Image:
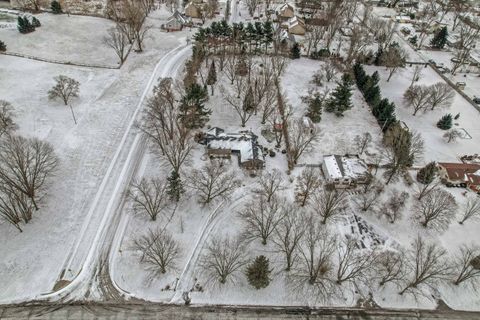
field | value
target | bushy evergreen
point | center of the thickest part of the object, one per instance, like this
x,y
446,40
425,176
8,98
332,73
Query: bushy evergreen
x,y
3,46
426,174
341,98
175,187
258,273
24,25
295,51
315,106
440,38
212,75
36,23
445,122
56,7
193,113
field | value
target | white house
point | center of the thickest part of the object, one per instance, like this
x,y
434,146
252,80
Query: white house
x,y
344,171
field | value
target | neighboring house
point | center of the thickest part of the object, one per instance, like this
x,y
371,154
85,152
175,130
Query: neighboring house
x,y
193,10
176,22
88,7
463,174
296,26
344,171
285,12
243,144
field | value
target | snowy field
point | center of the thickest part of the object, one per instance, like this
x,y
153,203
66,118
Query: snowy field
x,y
32,261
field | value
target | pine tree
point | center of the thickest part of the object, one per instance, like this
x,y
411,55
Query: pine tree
x,y
378,56
341,98
360,76
445,122
384,111
175,187
295,52
3,46
440,38
212,76
193,113
258,273
36,23
315,106
426,174
56,7
24,25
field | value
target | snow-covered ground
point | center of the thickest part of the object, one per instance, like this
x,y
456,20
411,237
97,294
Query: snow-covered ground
x,y
32,261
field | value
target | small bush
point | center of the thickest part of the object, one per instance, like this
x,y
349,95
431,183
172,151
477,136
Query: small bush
x,y
36,23
445,122
3,46
56,7
24,25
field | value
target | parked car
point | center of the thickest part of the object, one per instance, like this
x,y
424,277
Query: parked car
x,y
461,85
455,60
476,100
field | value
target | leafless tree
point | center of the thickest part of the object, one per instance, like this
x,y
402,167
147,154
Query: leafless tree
x,y
26,165
392,209
275,121
471,210
150,197
29,4
369,194
315,263
223,258
429,14
466,266
393,58
288,234
158,250
252,6
132,17
452,135
426,264
213,181
441,95
261,217
328,204
384,31
417,74
308,183
362,141
118,41
242,101
7,125
418,97
461,56
15,207
270,183
390,267
353,262
300,139
313,36
65,88
359,40
436,210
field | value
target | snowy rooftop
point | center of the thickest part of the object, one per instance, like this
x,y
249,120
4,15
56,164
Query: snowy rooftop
x,y
344,166
245,143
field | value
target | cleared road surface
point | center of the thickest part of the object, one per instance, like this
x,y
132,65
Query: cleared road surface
x,y
149,311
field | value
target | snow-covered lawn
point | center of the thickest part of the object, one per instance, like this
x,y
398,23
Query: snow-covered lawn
x,y
76,39
31,261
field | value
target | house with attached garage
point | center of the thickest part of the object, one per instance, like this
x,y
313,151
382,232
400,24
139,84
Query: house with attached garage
x,y
176,22
243,144
460,174
346,171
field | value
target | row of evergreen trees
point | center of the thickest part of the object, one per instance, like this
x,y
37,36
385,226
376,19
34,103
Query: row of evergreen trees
x,y
382,109
25,26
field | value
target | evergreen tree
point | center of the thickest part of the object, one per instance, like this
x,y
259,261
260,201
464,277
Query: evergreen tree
x,y
36,23
440,38
315,106
384,111
56,7
258,273
295,52
193,113
24,25
445,122
341,98
248,102
426,174
378,56
3,46
175,187
413,40
212,76
360,76
267,34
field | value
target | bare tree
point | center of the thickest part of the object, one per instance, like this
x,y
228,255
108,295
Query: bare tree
x,y
426,265
435,210
7,125
471,210
390,267
452,135
418,97
393,58
150,197
315,265
417,74
158,250
362,141
359,40
392,209
353,263
288,234
369,194
213,181
308,183
15,207
300,139
441,95
329,204
65,88
118,41
242,102
261,217
252,6
466,266
270,183
223,258
429,15
26,165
